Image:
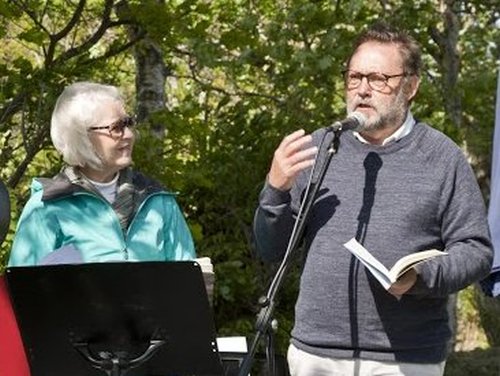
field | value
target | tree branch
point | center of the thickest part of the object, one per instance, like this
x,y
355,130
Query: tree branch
x,y
30,14
114,51
93,39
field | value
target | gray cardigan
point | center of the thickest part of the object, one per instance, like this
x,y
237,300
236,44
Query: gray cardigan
x,y
414,194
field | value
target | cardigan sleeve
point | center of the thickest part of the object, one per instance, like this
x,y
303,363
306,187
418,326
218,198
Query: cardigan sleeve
x,y
465,235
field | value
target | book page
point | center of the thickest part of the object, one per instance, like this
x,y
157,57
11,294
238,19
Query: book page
x,y
409,261
375,267
379,271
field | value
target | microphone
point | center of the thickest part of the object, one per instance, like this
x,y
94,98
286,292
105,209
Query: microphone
x,y
354,122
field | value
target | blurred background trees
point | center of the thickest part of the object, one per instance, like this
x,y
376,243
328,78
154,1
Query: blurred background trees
x,y
216,84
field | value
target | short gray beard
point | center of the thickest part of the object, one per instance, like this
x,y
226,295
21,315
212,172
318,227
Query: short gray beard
x,y
393,118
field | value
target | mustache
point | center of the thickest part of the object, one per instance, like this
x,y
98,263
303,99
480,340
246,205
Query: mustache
x,y
361,102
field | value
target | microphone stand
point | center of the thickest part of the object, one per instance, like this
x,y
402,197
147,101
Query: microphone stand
x,y
264,324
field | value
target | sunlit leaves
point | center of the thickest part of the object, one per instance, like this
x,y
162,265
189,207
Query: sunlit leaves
x,y
241,75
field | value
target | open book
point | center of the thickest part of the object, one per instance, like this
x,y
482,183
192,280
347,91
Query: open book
x,y
384,276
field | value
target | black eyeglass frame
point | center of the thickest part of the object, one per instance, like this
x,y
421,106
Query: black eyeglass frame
x,y
117,126
386,78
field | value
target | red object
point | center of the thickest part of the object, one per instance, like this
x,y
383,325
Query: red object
x,y
13,360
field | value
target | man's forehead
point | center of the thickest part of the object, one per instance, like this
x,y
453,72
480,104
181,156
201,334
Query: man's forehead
x,y
376,57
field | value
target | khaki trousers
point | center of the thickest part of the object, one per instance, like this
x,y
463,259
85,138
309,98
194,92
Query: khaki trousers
x,y
302,363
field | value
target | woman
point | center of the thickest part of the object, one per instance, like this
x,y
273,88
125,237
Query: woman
x,y
97,208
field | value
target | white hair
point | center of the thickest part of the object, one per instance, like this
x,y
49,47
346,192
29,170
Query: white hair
x,y
75,111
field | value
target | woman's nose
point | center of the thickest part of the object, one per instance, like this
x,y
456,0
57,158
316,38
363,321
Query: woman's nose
x,y
128,132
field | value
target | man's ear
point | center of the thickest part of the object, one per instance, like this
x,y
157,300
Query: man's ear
x,y
412,87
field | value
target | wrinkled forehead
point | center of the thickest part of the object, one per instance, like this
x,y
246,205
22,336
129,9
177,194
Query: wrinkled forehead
x,y
377,57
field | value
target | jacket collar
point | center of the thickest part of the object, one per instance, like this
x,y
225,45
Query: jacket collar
x,y
61,186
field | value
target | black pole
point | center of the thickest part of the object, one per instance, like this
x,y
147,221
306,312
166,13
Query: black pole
x,y
267,303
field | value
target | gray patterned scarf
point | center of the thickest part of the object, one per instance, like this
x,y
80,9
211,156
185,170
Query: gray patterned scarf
x,y
126,195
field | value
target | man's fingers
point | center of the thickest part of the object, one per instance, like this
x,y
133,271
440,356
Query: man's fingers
x,y
292,156
294,142
303,155
297,167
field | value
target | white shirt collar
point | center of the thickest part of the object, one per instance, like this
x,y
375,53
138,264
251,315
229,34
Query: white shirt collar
x,y
108,190
401,132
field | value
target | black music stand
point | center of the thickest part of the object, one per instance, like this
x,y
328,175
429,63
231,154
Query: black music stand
x,y
133,318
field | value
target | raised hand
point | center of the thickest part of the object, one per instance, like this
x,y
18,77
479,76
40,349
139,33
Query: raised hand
x,y
293,155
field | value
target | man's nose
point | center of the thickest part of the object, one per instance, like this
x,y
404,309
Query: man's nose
x,y
364,88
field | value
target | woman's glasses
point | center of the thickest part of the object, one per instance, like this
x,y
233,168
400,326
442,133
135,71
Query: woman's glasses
x,y
117,129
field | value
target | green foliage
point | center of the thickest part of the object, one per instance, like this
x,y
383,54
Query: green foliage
x,y
241,75
478,362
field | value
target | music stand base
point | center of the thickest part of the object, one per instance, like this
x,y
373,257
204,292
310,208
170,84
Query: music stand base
x,y
116,364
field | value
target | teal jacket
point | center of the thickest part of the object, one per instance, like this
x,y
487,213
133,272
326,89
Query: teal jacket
x,y
64,218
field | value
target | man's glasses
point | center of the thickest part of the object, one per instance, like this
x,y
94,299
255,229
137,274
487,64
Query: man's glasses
x,y
117,129
376,81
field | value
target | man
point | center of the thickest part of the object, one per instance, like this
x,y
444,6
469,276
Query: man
x,y
398,186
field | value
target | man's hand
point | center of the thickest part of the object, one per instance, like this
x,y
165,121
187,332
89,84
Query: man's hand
x,y
293,155
404,283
